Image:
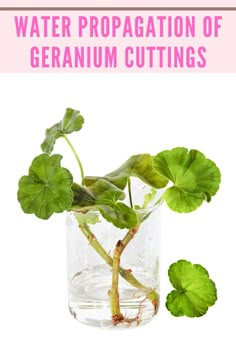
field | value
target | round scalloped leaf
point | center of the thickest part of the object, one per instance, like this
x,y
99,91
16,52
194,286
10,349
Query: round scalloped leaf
x,y
47,188
195,178
194,293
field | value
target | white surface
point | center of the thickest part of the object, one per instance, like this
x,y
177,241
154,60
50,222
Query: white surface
x,y
124,114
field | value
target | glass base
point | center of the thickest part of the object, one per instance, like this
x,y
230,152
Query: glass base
x,y
89,301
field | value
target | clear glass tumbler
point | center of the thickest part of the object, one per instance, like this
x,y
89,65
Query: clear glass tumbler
x,y
90,260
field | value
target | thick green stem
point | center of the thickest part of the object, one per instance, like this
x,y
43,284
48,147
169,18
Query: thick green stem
x,y
114,292
151,294
76,156
130,193
95,244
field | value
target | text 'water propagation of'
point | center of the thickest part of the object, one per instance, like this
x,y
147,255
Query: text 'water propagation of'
x,y
109,53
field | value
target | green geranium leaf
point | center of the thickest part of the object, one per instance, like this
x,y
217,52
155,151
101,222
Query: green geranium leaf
x,y
52,134
89,217
149,197
141,212
119,214
47,188
104,196
194,293
83,197
140,166
116,181
107,192
107,196
71,122
195,178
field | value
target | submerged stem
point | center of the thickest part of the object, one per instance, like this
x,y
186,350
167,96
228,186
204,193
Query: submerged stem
x,y
130,193
114,292
76,156
95,244
151,294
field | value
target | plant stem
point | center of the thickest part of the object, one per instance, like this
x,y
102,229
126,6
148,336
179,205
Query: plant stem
x,y
151,294
114,292
95,244
76,156
160,199
130,193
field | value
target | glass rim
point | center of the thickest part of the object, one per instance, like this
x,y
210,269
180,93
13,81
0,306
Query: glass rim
x,y
150,208
137,211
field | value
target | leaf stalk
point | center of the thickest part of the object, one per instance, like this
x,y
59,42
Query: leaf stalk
x,y
76,156
130,193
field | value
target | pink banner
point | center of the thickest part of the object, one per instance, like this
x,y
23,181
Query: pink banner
x,y
62,3
134,41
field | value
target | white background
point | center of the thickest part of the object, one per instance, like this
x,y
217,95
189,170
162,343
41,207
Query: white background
x,y
124,114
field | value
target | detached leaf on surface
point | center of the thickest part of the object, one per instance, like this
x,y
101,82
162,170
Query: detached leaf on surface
x,y
72,122
195,178
47,188
194,293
